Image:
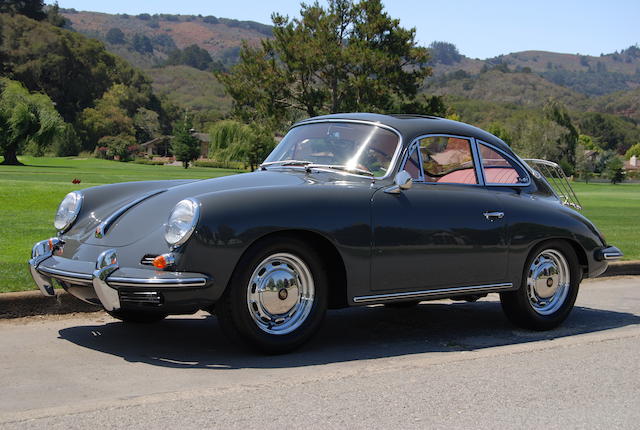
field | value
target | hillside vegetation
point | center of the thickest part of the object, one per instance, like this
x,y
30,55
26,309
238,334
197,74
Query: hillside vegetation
x,y
148,39
190,88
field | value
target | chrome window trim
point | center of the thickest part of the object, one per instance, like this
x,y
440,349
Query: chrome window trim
x,y
430,293
394,159
412,147
416,141
505,154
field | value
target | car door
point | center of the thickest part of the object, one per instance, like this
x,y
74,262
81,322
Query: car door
x,y
448,230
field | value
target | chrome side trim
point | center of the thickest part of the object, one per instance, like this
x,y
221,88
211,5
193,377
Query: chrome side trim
x,y
157,282
443,292
393,165
101,230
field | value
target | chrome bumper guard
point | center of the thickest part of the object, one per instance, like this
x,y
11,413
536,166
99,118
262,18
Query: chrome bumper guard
x,y
103,283
610,253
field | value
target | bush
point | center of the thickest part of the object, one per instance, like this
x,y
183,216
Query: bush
x,y
67,144
118,147
148,162
101,152
219,164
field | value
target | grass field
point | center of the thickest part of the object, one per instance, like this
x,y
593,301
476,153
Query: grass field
x,y
29,196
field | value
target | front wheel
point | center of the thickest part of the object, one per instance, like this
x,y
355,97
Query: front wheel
x,y
550,282
277,297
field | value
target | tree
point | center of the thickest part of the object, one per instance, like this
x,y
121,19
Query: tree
x,y
615,170
25,118
345,57
54,17
584,164
142,44
33,9
111,116
185,146
72,70
193,56
233,141
115,36
568,141
147,124
444,52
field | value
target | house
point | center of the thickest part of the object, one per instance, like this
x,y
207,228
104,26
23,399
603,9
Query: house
x,y
632,164
161,146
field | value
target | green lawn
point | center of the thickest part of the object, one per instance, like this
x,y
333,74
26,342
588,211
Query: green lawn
x,y
29,196
615,210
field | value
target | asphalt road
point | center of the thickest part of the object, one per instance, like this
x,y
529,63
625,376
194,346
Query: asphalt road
x,y
440,365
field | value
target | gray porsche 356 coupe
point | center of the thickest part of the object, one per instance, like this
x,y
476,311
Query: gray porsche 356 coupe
x,y
348,210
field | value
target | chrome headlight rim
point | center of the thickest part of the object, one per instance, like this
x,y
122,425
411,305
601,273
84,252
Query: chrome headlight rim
x,y
72,215
195,207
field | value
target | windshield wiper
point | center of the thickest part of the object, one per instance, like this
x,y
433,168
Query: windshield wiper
x,y
310,166
285,163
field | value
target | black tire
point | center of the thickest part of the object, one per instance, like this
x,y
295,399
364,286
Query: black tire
x,y
137,317
239,324
402,305
520,307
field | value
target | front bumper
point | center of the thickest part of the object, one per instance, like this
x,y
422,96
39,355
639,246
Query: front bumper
x,y
105,283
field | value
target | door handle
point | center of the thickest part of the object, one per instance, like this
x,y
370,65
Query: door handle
x,y
493,215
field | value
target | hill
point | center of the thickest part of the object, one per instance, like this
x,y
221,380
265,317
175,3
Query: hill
x,y
145,40
581,73
190,88
526,89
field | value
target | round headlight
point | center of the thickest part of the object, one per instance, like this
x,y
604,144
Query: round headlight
x,y
182,222
68,211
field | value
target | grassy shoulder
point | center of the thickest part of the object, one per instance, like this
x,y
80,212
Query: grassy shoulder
x,y
30,195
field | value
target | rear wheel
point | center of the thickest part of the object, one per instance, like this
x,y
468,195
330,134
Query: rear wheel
x,y
137,317
550,282
277,297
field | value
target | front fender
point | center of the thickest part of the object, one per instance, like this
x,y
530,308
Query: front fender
x,y
231,221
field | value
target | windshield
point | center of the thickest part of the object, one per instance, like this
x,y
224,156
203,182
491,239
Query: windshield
x,y
359,148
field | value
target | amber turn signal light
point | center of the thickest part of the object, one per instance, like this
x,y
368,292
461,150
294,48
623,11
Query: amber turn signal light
x,y
163,261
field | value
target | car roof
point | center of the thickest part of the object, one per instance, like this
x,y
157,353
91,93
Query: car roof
x,y
411,126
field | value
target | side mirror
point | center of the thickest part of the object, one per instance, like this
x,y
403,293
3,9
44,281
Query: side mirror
x,y
403,181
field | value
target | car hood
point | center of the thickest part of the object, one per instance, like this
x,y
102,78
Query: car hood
x,y
151,214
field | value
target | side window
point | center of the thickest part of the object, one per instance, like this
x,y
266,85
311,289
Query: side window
x,y
498,169
447,160
412,166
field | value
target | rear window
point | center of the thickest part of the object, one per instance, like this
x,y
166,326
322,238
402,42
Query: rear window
x,y
498,169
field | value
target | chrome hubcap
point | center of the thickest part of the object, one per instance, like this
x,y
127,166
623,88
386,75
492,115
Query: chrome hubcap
x,y
280,293
548,281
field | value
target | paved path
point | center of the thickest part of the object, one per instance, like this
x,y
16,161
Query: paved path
x,y
441,365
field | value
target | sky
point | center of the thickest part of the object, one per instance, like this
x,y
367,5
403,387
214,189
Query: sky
x,y
480,29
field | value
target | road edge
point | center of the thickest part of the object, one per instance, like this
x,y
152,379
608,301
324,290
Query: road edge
x,y
30,303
